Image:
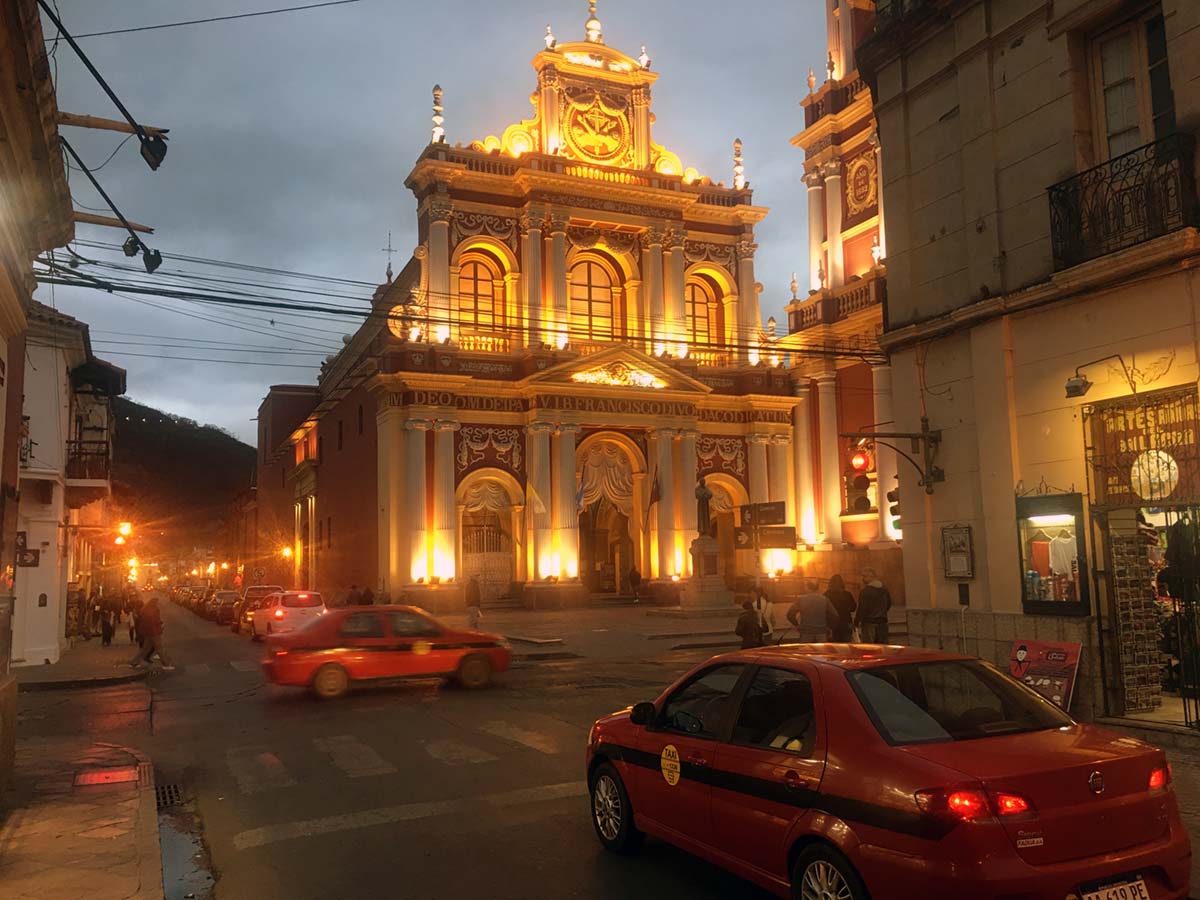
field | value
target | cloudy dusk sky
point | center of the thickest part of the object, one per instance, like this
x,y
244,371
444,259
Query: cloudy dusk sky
x,y
291,136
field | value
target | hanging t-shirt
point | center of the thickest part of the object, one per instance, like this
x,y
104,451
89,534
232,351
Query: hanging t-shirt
x,y
1039,557
1062,555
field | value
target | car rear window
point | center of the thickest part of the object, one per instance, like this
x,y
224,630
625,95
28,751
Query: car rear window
x,y
302,601
950,700
227,596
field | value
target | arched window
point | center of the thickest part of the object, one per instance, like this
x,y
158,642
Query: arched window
x,y
703,313
591,302
480,303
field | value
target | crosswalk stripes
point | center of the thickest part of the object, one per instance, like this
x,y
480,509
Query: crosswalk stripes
x,y
246,665
257,769
456,753
536,740
352,756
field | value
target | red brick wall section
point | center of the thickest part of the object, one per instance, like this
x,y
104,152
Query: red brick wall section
x,y
347,497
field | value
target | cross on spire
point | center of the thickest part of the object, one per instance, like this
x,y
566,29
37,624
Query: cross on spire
x,y
389,250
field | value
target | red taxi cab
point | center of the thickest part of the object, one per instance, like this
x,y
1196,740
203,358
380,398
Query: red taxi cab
x,y
358,644
853,771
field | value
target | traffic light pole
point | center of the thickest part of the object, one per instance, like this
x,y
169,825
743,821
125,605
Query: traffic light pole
x,y
925,442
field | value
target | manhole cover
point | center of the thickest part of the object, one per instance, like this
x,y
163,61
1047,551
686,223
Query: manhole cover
x,y
168,795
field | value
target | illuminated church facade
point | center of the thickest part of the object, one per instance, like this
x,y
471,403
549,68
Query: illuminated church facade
x,y
574,342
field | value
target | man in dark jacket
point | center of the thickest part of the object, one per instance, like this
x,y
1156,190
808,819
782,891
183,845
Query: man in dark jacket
x,y
749,627
473,599
150,627
874,601
354,598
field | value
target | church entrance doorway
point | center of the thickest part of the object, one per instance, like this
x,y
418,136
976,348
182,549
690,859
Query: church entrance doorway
x,y
609,530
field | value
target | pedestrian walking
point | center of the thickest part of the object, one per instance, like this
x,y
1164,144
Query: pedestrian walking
x,y
635,583
134,608
844,605
107,625
473,598
812,614
765,609
150,627
874,601
749,626
354,598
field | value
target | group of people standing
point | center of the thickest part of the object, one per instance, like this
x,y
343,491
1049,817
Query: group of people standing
x,y
833,615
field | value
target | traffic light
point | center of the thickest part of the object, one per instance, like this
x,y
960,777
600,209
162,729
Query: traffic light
x,y
860,462
893,497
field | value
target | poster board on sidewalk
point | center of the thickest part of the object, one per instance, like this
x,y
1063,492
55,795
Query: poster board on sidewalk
x,y
1049,667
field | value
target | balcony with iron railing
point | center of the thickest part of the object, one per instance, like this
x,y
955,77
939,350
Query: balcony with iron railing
x,y
1141,195
88,470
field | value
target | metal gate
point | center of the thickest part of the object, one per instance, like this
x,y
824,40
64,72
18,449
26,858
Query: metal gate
x,y
1143,465
487,553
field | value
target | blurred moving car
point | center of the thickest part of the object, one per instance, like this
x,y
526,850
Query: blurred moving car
x,y
356,644
285,611
856,771
251,597
224,602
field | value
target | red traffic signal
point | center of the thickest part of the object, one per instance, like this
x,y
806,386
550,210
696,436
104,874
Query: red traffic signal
x,y
860,461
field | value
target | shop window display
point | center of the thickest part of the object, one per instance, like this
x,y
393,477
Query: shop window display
x,y
1053,555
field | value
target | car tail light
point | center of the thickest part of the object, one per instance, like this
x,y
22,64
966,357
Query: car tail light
x,y
965,805
1011,804
1160,777
279,613
279,651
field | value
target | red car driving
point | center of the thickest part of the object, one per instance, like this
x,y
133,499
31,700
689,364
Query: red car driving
x,y
852,772
358,644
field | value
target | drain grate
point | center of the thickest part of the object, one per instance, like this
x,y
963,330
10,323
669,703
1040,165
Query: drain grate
x,y
168,795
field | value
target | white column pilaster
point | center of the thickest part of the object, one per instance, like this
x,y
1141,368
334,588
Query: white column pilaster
x,y
394,541
747,317
560,315
874,142
831,458
688,524
438,304
759,490
445,516
782,476
833,223
566,513
531,268
664,439
654,288
806,504
538,500
815,182
417,495
673,305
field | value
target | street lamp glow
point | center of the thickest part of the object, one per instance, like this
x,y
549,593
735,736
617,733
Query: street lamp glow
x,y
119,541
125,529
225,566
286,552
133,563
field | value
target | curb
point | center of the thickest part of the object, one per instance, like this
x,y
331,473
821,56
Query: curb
x,y
686,634
710,645
532,640
75,683
149,850
543,657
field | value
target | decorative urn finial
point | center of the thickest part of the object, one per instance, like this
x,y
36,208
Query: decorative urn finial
x,y
439,133
595,31
644,59
795,286
812,78
739,170
550,39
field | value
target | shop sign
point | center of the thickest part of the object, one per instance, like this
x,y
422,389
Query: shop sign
x,y
774,513
29,559
1049,667
1144,450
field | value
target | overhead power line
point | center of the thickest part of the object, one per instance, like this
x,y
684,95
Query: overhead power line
x,y
249,15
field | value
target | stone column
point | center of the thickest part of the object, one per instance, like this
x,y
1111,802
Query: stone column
x,y
806,503
873,140
688,523
782,484
664,447
394,542
566,512
747,331
759,490
886,463
846,39
641,127
560,315
538,499
311,502
673,305
531,265
654,287
833,223
300,549
445,515
438,303
815,183
831,458
418,497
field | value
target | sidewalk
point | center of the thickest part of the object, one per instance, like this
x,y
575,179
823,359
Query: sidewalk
x,y
86,664
80,822
1185,769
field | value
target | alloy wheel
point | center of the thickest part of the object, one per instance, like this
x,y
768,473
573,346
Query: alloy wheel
x,y
823,881
606,806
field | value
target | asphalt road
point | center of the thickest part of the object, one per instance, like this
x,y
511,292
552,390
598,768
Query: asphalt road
x,y
410,791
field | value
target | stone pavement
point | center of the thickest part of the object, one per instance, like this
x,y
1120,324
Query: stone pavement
x,y
61,837
85,664
1185,768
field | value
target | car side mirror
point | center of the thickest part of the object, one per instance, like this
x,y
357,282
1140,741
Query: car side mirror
x,y
642,714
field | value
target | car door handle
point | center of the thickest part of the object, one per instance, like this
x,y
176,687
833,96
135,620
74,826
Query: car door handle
x,y
698,760
793,782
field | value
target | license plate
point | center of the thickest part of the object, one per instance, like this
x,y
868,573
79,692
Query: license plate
x,y
1124,890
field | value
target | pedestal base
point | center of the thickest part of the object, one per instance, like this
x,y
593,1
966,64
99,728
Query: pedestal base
x,y
706,588
553,594
437,598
